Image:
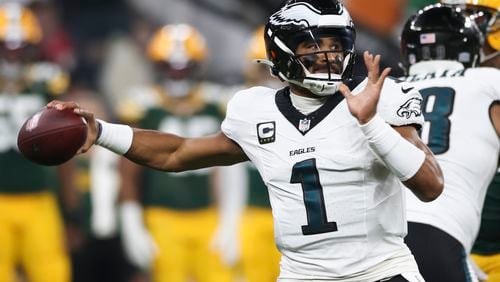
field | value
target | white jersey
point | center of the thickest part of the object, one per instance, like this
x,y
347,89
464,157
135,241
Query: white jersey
x,y
338,212
459,131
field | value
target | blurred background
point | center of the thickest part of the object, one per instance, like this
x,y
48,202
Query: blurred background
x,y
118,59
92,38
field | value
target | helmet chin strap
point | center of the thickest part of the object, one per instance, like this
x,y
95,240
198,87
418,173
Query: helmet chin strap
x,y
320,88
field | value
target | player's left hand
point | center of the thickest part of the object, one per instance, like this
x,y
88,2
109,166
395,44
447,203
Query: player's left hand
x,y
363,106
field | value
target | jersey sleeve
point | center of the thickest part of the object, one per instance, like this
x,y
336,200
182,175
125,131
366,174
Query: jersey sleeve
x,y
234,118
400,104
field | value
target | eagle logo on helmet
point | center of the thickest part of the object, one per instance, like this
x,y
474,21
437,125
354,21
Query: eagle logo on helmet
x,y
304,14
301,14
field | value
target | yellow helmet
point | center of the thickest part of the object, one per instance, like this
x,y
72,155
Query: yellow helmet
x,y
178,45
257,49
492,4
259,73
18,26
487,15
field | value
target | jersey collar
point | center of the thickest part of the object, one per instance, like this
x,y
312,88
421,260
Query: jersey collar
x,y
304,123
434,66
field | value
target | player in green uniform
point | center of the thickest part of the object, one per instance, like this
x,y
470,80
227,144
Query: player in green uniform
x,y
97,253
260,257
31,230
486,250
173,234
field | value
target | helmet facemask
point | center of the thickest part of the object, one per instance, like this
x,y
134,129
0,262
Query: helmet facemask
x,y
323,55
178,80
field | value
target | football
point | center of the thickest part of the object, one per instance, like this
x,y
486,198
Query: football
x,y
52,137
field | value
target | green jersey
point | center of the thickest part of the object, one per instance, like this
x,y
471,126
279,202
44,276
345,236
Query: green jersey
x,y
488,239
186,190
82,183
18,175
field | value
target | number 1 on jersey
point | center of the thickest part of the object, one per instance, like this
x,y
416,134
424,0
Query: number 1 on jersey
x,y
306,173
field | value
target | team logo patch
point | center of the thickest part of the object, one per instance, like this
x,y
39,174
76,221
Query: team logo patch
x,y
410,107
304,124
266,132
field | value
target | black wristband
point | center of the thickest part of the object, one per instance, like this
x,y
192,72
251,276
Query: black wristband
x,y
99,130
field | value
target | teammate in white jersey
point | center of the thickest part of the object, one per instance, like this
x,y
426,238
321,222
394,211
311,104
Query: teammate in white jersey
x,y
440,47
324,146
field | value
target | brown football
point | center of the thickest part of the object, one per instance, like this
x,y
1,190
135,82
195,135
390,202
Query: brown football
x,y
52,137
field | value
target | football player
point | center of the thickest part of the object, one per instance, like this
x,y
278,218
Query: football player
x,y
97,252
31,229
440,48
486,249
331,148
173,234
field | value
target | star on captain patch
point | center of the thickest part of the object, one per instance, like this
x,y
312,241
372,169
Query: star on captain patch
x,y
304,124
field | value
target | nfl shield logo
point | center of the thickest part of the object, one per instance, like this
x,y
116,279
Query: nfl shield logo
x,y
304,125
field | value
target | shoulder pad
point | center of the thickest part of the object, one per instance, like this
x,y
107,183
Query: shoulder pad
x,y
133,107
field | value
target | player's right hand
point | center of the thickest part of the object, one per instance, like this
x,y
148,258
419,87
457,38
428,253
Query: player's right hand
x,y
88,116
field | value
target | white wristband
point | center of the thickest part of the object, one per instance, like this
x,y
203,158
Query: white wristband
x,y
114,137
400,156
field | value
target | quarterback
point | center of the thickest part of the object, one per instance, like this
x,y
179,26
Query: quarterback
x,y
331,149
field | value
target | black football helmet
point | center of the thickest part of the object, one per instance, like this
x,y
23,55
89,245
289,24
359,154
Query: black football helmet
x,y
299,21
440,32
